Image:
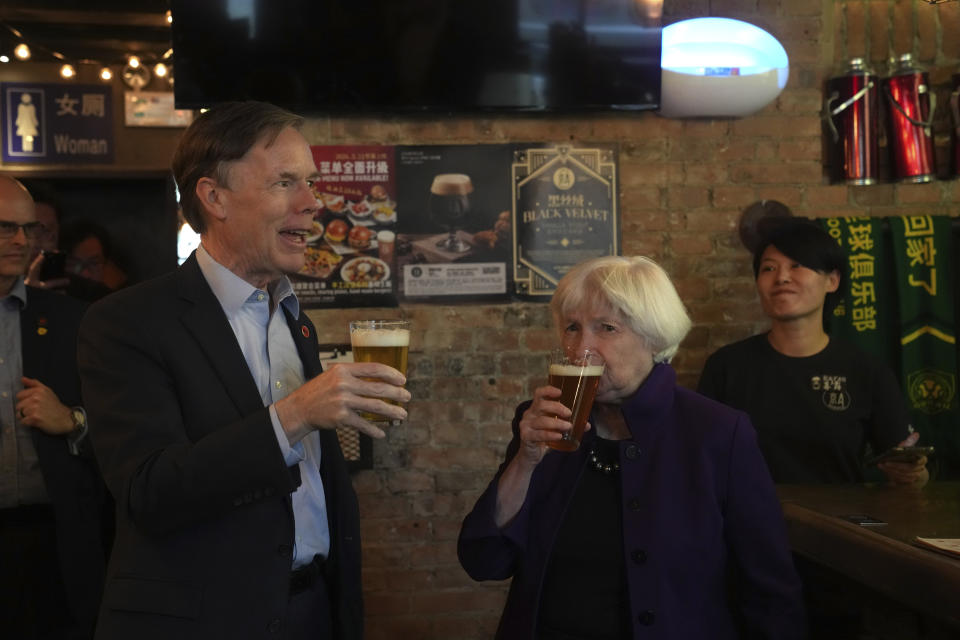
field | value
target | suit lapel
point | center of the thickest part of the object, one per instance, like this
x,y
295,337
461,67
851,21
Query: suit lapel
x,y
204,318
304,336
29,337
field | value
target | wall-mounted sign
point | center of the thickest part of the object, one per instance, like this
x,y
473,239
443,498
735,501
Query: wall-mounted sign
x,y
153,109
454,239
57,123
565,212
350,252
455,223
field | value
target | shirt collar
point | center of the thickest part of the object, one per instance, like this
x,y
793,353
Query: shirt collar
x,y
233,291
18,292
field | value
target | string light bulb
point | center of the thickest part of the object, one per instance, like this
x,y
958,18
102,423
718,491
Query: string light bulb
x,y
133,62
160,70
169,16
106,74
67,71
22,51
4,58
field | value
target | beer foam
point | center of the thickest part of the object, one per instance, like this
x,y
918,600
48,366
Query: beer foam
x,y
574,370
451,184
380,337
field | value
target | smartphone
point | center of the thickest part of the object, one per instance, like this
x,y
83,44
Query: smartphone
x,y
864,520
54,265
902,454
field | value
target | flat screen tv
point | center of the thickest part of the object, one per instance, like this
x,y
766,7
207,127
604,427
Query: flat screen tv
x,y
389,56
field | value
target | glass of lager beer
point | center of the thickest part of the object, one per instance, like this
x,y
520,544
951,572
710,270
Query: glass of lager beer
x,y
577,377
384,341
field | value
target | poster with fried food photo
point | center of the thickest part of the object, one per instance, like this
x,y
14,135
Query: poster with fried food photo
x,y
350,250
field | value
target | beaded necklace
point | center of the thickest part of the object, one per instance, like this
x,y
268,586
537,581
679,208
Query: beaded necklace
x,y
600,465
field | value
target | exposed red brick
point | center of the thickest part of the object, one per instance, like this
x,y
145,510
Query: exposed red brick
x,y
926,39
852,40
918,193
903,26
699,173
800,149
691,244
778,127
687,198
438,602
714,220
733,195
785,173
789,195
880,28
825,195
949,28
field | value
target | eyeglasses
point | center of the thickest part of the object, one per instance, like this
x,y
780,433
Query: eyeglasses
x,y
31,229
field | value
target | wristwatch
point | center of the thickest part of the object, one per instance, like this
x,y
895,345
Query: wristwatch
x,y
75,437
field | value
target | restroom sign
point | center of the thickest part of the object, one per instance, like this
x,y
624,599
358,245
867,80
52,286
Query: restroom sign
x,y
57,123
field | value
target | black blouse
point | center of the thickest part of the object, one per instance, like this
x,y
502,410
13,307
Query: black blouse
x,y
585,589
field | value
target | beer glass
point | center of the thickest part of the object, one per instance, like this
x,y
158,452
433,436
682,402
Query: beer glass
x,y
384,341
577,377
449,205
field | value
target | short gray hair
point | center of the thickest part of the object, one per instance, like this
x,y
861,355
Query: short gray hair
x,y
635,286
218,137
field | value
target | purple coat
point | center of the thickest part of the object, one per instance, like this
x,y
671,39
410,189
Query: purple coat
x,y
699,514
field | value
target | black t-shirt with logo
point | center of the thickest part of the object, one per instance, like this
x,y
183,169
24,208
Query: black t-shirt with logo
x,y
814,415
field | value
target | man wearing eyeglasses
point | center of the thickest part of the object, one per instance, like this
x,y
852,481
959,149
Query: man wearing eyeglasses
x,y
51,555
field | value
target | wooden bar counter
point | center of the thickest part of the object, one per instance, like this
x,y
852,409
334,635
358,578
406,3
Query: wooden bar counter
x,y
924,585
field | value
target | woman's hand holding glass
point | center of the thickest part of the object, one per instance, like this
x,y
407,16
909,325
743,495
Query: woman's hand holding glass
x,y
540,424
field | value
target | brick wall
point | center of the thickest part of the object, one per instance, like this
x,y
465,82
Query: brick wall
x,y
683,186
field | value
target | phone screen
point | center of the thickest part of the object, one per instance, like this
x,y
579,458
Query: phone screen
x,y
54,265
864,520
903,454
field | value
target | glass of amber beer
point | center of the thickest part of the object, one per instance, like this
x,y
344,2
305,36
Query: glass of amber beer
x,y
384,341
577,376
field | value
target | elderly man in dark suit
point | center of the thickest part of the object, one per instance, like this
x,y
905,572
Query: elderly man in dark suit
x,y
212,420
51,497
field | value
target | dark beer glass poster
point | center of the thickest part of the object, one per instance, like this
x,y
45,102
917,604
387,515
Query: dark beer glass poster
x,y
454,240
564,212
350,254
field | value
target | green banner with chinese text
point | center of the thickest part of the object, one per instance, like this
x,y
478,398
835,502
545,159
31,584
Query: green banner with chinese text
x,y
924,276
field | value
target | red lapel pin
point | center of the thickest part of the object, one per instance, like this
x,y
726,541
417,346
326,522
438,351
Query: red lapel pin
x,y
305,331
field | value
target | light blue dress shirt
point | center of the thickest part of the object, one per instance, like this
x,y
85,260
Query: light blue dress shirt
x,y
21,481
264,337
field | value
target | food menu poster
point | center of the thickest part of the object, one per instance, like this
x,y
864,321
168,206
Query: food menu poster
x,y
350,252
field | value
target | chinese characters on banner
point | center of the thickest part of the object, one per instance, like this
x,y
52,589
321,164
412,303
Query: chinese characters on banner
x,y
922,252
866,314
57,123
455,223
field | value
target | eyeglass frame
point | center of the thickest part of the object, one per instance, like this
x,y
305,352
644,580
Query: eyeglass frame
x,y
31,230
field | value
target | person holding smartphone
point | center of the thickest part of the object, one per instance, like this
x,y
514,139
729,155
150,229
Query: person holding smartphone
x,y
816,401
47,266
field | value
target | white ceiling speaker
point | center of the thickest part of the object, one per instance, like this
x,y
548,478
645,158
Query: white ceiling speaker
x,y
719,67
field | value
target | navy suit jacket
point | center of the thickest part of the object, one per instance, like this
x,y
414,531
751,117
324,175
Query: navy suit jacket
x,y
700,514
48,333
205,526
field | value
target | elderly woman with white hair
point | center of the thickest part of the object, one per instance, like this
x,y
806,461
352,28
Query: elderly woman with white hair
x,y
664,523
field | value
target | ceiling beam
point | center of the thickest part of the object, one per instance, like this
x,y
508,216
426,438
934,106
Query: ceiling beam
x,y
16,16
